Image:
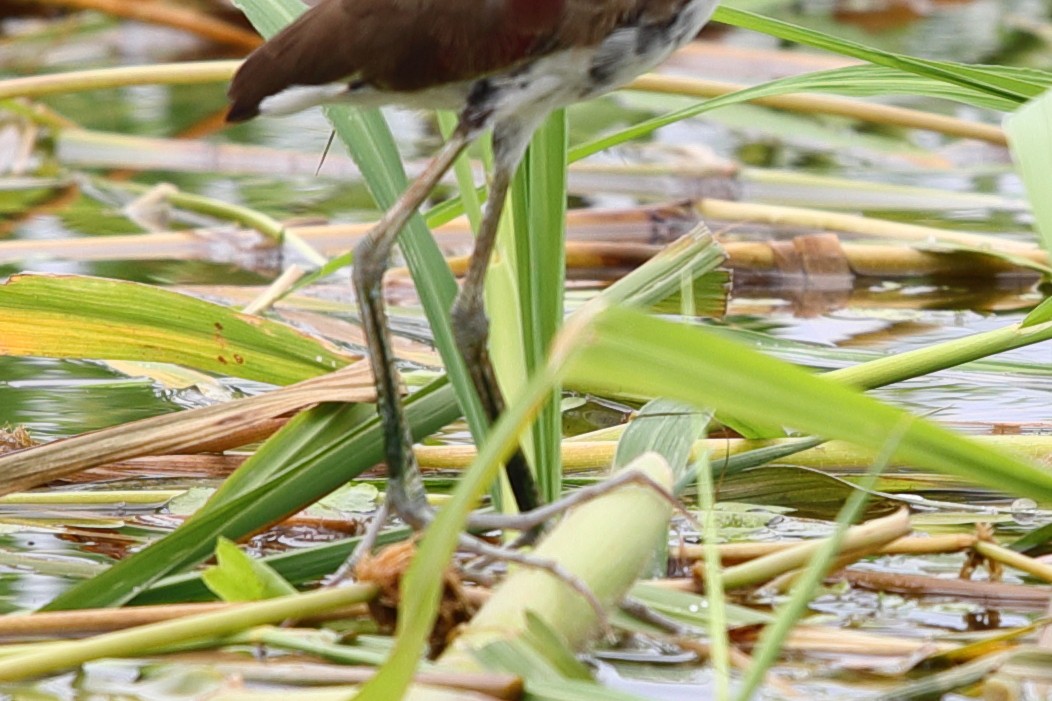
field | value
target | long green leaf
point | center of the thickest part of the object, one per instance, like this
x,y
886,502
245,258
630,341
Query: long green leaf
x,y
311,456
1030,135
984,79
72,316
538,255
625,350
299,567
993,87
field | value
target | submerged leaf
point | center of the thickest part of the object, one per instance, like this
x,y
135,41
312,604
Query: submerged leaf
x,y
238,577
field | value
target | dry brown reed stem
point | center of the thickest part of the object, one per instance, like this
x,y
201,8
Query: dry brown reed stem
x,y
992,593
733,553
769,257
774,215
818,639
761,257
876,260
577,457
186,245
827,104
170,432
206,466
168,15
844,641
625,225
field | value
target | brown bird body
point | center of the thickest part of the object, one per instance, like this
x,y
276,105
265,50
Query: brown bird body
x,y
383,50
502,64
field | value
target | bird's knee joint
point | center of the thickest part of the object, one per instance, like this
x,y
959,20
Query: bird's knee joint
x,y
470,325
369,266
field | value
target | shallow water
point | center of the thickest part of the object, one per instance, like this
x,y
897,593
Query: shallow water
x,y
56,398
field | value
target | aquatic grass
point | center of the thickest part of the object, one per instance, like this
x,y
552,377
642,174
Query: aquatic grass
x,y
535,398
1030,133
629,351
536,259
606,349
714,585
67,316
314,454
857,81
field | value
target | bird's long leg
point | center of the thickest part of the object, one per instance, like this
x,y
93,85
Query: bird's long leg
x,y
405,487
470,324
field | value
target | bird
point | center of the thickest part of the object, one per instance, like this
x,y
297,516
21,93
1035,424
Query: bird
x,y
502,66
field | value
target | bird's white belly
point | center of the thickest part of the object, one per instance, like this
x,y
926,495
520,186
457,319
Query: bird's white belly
x,y
569,76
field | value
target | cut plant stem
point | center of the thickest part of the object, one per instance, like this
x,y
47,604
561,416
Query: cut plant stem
x,y
861,540
625,522
991,593
1005,556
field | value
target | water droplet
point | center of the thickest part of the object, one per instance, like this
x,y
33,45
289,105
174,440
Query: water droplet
x,y
1024,511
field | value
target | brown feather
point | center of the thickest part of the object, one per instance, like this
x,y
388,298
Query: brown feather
x,y
410,45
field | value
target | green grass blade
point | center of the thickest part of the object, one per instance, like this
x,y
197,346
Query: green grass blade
x,y
669,429
540,267
299,567
1030,136
993,87
311,456
773,637
71,316
665,427
625,350
1009,87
